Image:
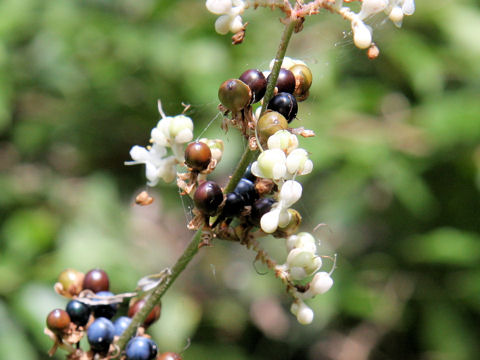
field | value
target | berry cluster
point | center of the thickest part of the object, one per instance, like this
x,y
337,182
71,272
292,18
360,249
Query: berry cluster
x,y
238,95
90,312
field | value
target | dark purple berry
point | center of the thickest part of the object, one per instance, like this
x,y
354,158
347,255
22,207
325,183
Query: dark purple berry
x,y
121,324
256,82
260,208
285,104
285,81
234,205
246,189
151,318
79,312
96,280
208,197
108,310
100,335
198,155
58,321
141,348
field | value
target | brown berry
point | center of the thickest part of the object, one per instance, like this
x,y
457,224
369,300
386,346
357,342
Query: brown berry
x,y
303,80
151,318
269,123
169,356
96,280
58,321
234,94
198,155
72,281
256,82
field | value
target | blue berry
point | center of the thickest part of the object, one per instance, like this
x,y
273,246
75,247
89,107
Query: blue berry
x,y
246,189
121,324
285,104
79,312
248,173
100,335
141,348
107,311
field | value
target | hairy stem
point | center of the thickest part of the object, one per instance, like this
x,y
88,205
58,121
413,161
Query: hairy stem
x,y
156,294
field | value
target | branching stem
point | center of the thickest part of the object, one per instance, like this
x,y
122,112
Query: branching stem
x,y
156,294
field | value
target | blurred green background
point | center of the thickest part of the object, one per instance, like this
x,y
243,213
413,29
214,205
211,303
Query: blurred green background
x,y
396,177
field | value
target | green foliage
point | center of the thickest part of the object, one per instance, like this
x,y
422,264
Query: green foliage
x,y
396,175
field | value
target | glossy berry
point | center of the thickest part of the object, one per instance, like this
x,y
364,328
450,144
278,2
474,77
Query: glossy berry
x,y
121,324
246,189
79,312
260,208
256,82
107,311
248,173
285,81
303,80
208,197
100,335
58,321
234,94
169,356
153,316
234,205
198,155
96,280
269,123
71,280
285,104
141,348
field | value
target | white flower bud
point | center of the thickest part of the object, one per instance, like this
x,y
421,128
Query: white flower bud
x,y
283,140
298,162
181,129
222,25
270,164
302,263
303,241
362,37
290,193
269,221
321,283
371,7
304,314
408,7
219,7
294,308
236,24
396,15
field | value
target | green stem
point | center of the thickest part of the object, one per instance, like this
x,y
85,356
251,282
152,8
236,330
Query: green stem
x,y
156,294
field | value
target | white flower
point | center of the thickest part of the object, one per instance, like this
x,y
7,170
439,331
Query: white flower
x,y
156,166
218,7
173,130
230,11
270,165
283,140
302,240
362,36
302,263
216,147
396,9
371,7
298,162
303,313
279,216
288,63
321,283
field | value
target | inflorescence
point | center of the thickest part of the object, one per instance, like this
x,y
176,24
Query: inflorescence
x,y
257,204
